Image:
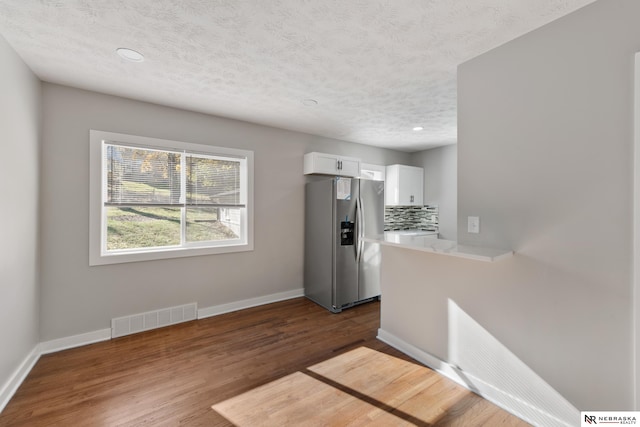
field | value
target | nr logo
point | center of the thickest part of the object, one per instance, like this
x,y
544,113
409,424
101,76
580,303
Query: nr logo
x,y
590,419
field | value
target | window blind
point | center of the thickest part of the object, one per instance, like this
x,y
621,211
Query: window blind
x,y
212,182
151,177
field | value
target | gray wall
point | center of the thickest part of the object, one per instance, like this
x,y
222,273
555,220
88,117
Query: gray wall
x,y
545,152
440,185
475,316
77,298
19,132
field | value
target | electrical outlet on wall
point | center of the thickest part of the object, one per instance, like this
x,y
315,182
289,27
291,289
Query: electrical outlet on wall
x,y
473,224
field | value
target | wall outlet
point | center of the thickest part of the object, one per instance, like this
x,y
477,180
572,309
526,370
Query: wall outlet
x,y
473,224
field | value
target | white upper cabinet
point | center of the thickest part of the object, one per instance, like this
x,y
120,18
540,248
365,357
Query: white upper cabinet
x,y
330,164
404,186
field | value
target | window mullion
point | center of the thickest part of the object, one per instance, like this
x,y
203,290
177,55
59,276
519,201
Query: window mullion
x,y
103,199
183,199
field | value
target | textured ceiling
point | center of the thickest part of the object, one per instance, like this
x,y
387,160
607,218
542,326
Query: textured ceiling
x,y
376,67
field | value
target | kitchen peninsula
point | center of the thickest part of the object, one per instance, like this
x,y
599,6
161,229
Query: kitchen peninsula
x,y
442,304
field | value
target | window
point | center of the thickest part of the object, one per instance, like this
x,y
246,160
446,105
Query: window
x,y
154,199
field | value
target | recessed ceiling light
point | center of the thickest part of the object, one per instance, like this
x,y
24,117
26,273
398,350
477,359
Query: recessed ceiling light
x,y
129,54
418,128
309,102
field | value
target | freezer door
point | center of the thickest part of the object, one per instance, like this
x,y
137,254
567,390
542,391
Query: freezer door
x,y
319,242
346,269
372,223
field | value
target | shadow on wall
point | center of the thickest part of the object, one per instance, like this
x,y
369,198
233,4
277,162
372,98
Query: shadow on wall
x,y
500,376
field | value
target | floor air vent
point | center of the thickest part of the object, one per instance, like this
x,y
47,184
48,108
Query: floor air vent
x,y
134,323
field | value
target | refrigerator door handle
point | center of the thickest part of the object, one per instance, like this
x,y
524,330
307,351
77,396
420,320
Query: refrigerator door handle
x,y
359,229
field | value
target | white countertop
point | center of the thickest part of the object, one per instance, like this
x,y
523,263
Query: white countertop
x,y
440,246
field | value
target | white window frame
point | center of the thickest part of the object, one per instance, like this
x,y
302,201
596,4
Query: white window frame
x,y
98,254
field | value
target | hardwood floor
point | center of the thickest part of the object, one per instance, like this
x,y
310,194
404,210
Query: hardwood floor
x,y
173,376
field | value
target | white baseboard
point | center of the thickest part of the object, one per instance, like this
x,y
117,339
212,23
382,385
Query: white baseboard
x,y
11,386
248,303
512,404
74,341
422,356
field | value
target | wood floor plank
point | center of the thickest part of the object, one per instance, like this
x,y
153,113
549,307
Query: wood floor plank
x,y
299,399
382,377
172,376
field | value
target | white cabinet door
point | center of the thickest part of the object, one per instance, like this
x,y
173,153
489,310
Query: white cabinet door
x,y
349,166
324,163
330,164
411,185
404,185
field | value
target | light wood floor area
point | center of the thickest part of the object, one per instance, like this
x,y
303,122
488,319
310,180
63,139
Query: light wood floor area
x,y
173,376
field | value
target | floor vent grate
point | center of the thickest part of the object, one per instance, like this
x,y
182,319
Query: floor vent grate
x,y
134,323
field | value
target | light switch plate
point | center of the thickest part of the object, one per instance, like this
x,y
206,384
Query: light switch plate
x,y
473,224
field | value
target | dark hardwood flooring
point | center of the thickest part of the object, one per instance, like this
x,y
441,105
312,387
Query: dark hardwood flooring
x,y
172,376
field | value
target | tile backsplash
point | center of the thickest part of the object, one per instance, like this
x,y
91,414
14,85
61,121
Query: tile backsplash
x,y
411,218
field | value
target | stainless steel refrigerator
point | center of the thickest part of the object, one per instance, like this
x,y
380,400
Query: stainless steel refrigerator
x,y
340,269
